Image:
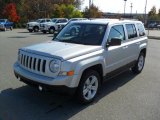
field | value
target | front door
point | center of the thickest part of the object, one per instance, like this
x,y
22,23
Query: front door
x,y
115,56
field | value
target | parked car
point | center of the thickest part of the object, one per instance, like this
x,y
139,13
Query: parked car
x,y
152,25
158,26
6,24
76,19
78,63
56,25
35,25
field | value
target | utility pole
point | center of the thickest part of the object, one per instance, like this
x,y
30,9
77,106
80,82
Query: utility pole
x,y
131,8
145,16
90,3
124,7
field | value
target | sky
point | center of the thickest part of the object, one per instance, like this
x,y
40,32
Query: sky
x,y
117,6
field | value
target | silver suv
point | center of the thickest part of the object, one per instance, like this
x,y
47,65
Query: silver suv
x,y
84,55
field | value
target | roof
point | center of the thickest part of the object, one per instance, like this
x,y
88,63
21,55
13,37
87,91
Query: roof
x,y
106,21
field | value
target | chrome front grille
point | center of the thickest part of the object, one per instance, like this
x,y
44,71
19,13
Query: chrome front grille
x,y
33,63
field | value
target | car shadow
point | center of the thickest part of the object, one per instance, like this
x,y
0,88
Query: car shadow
x,y
38,33
26,103
18,37
23,32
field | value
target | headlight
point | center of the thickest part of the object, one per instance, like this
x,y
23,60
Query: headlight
x,y
2,25
54,66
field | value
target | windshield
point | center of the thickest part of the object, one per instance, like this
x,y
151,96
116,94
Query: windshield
x,y
2,20
82,33
54,20
39,20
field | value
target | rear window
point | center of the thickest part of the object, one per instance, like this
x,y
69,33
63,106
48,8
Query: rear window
x,y
131,30
141,29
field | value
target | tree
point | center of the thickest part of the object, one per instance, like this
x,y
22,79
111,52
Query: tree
x,y
92,12
152,12
67,11
10,12
159,12
152,15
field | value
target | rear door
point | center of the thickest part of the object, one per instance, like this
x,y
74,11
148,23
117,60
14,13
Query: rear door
x,y
132,42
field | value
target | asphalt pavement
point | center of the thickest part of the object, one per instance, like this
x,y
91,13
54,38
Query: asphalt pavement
x,y
126,97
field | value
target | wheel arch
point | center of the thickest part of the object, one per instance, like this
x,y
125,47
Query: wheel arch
x,y
52,27
144,50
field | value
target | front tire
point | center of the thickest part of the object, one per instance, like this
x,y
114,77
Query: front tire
x,y
139,64
44,32
51,30
11,28
88,87
36,29
30,30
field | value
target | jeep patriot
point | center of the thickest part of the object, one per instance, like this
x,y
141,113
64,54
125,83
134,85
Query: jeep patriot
x,y
83,55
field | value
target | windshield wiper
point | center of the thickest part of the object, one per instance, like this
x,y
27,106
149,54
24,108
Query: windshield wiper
x,y
56,39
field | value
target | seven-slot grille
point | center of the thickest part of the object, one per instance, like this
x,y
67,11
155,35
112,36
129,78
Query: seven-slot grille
x,y
32,62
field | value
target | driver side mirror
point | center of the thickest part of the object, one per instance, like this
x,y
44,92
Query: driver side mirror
x,y
114,42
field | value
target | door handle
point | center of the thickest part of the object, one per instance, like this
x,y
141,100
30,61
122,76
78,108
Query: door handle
x,y
125,47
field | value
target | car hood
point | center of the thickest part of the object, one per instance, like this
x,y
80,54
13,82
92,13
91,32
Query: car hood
x,y
2,23
63,51
32,23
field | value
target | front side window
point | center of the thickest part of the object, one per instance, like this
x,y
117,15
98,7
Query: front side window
x,y
54,20
39,20
82,33
62,21
48,20
117,31
131,30
141,29
42,21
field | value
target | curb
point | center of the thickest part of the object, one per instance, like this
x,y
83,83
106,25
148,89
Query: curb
x,y
154,37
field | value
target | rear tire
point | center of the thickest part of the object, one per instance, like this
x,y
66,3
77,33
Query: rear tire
x,y
139,64
88,86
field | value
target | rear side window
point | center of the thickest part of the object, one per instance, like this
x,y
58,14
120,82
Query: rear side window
x,y
141,29
117,31
131,30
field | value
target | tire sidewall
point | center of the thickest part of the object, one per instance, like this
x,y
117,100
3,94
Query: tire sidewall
x,y
36,29
85,76
51,30
135,69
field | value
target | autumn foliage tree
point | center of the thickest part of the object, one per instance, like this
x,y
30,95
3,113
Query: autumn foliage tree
x,y
10,12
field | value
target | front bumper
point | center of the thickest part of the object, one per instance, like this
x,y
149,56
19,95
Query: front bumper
x,y
62,83
2,27
30,27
